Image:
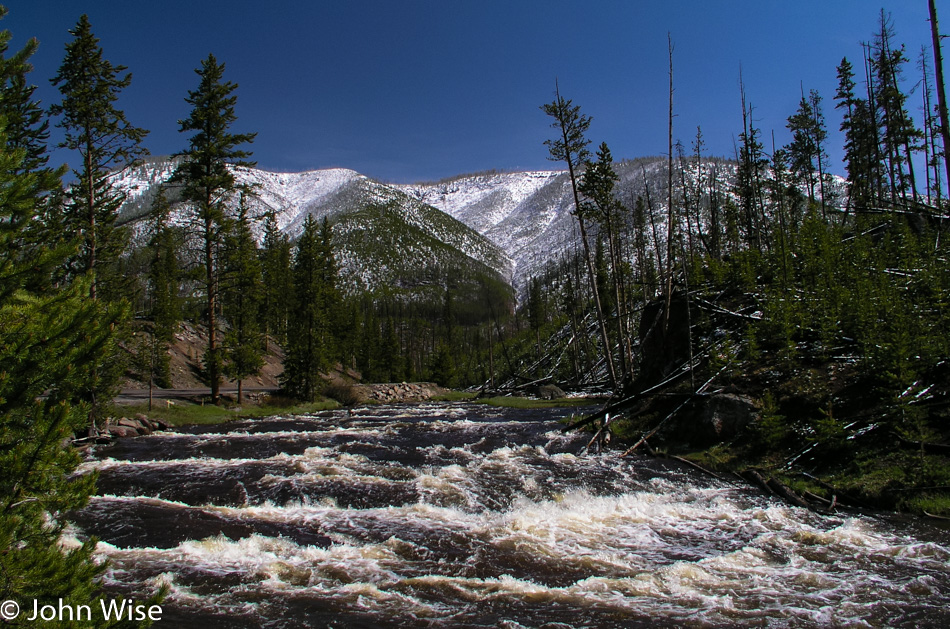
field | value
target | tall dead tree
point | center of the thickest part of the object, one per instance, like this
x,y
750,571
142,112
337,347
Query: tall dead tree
x,y
669,200
941,91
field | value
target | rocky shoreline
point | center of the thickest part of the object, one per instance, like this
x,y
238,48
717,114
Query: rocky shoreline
x,y
113,429
395,392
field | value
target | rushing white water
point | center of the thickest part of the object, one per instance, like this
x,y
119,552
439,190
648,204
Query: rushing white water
x,y
467,516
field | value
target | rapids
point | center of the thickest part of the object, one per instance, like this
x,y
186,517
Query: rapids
x,y
461,515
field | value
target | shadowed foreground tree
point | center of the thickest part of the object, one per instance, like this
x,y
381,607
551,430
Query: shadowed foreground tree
x,y
96,130
51,336
99,132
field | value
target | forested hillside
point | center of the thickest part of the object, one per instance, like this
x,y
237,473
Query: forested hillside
x,y
792,320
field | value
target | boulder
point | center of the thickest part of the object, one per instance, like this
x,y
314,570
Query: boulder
x,y
664,340
140,426
549,392
724,415
123,431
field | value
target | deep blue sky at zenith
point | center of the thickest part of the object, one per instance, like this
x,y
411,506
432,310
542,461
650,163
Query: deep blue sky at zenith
x,y
410,90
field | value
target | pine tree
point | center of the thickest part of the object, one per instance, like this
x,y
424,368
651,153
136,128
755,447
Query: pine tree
x,y
749,178
306,340
27,125
570,147
104,139
390,353
597,185
898,133
164,285
331,298
241,292
536,310
49,336
278,281
807,155
931,129
944,125
208,185
859,147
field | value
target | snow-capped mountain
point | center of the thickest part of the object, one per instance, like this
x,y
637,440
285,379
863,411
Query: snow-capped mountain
x,y
512,223
529,214
387,238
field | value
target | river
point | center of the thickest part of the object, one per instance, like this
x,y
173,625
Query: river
x,y
463,515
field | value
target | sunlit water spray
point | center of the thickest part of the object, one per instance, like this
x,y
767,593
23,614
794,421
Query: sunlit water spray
x,y
454,515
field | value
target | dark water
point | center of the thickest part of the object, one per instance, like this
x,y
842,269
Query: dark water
x,y
455,515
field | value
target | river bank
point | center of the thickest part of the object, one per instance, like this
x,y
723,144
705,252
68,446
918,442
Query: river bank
x,y
818,425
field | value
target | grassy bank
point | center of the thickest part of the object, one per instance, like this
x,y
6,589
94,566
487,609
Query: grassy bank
x,y
528,403
511,401
182,413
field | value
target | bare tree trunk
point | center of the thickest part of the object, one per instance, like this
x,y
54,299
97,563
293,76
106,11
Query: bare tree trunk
x,y
941,91
491,357
623,335
875,126
928,124
91,202
821,168
94,280
656,235
669,200
592,275
212,304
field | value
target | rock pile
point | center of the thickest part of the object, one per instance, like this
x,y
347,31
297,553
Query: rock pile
x,y
400,392
131,426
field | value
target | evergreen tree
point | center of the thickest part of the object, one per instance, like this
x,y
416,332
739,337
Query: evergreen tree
x,y
50,335
278,281
647,279
27,126
164,284
104,139
368,353
859,147
442,369
331,299
241,297
570,147
944,118
806,151
749,179
898,133
597,186
931,129
306,352
390,354
536,310
208,184
99,132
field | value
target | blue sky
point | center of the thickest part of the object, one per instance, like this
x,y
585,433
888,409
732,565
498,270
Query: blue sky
x,y
406,90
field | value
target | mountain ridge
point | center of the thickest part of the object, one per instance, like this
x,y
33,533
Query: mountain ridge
x,y
514,222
